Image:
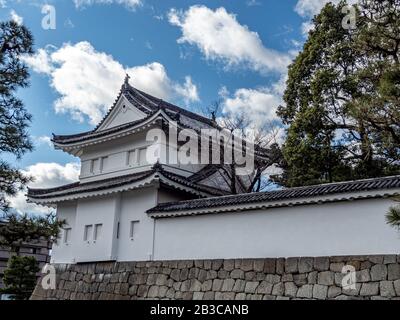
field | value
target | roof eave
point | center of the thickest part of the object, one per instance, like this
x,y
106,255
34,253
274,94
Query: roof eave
x,y
371,194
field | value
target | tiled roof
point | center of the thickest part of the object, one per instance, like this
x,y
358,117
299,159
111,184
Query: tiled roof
x,y
144,102
280,195
79,187
93,134
98,185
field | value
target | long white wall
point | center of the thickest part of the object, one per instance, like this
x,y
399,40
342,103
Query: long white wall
x,y
341,228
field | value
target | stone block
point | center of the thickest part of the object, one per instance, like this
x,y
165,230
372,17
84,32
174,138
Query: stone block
x,y
291,265
290,289
153,292
389,259
305,291
250,276
300,279
393,271
353,290
278,289
142,290
212,274
258,265
217,264
320,292
251,287
369,289
239,285
397,287
161,279
185,286
170,293
379,272
326,278
363,276
209,295
265,288
184,274
246,265
228,285
336,267
273,278
223,274
387,289
237,274
132,290
321,263
217,285
376,259
175,274
333,292
198,295
195,285
229,264
207,285
280,266
193,273
306,264
287,277
269,265
240,296
312,277
202,276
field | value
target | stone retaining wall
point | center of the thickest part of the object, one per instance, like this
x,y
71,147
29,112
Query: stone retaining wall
x,y
378,277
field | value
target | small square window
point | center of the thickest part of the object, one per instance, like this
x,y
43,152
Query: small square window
x,y
133,229
88,232
97,231
67,235
131,158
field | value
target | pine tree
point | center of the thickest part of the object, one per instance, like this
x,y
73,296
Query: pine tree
x,y
15,41
20,277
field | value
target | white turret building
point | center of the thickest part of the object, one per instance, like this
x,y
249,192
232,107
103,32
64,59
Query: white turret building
x,y
127,208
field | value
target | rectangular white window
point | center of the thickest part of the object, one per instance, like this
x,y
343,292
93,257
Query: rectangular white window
x,y
133,229
95,167
142,156
97,231
88,232
131,158
103,164
67,235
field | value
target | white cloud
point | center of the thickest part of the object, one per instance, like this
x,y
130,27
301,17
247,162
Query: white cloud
x,y
188,90
130,4
259,105
219,36
46,175
15,17
40,62
88,80
43,140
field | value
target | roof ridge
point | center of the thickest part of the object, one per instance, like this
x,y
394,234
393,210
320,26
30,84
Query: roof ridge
x,y
289,191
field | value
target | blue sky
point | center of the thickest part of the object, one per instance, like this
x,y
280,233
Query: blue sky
x,y
188,52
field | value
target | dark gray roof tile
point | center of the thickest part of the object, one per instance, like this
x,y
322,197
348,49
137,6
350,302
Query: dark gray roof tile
x,y
285,194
